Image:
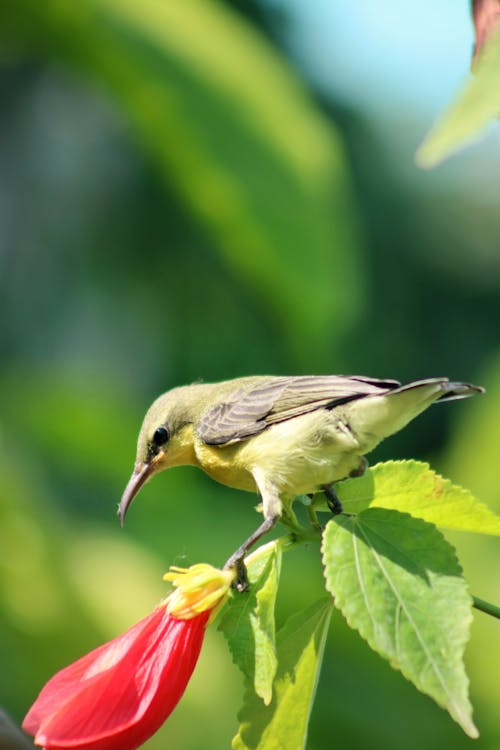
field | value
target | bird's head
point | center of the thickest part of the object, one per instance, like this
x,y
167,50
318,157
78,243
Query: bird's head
x,y
165,438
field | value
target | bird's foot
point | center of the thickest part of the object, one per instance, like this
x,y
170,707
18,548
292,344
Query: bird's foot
x,y
241,582
236,560
237,563
332,499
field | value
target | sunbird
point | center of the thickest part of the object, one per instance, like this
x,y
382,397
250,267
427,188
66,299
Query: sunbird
x,y
279,436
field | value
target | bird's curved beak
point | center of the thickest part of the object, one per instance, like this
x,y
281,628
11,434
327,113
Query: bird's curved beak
x,y
140,476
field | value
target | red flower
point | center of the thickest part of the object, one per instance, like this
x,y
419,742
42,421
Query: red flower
x,y
486,16
118,695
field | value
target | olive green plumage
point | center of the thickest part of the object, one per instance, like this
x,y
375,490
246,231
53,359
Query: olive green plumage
x,y
279,436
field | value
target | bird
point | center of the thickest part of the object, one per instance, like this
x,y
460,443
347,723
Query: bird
x,y
279,436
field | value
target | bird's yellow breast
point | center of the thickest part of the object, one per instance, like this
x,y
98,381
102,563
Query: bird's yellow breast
x,y
224,464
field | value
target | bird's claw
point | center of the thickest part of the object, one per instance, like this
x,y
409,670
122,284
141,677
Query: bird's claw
x,y
241,582
332,500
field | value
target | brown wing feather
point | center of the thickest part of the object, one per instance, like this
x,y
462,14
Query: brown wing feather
x,y
247,412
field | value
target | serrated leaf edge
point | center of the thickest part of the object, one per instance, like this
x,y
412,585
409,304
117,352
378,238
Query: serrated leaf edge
x,y
247,610
464,721
447,485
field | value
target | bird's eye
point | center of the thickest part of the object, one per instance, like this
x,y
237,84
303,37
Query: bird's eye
x,y
160,437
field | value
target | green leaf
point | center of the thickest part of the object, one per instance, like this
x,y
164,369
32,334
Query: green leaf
x,y
465,119
284,723
233,132
398,582
412,487
248,621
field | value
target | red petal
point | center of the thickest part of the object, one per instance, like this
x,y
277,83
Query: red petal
x,y
62,685
119,695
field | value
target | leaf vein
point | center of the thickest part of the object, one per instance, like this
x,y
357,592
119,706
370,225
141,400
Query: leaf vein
x,y
362,585
435,668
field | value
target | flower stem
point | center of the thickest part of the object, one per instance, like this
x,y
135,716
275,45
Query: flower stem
x,y
299,536
490,609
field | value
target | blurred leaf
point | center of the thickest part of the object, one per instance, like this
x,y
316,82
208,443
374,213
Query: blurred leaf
x,y
43,621
248,621
397,581
474,107
104,566
32,583
235,134
472,455
412,487
71,415
284,723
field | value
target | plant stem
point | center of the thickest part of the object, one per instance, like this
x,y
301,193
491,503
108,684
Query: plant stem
x,y
490,609
299,536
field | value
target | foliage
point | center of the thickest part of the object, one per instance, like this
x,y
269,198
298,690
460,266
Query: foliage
x,y
395,579
265,175
398,582
467,117
284,723
412,487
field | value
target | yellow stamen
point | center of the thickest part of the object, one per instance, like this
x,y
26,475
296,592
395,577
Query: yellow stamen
x,y
197,589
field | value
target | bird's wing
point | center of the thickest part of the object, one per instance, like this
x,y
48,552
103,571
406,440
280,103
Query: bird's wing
x,y
248,411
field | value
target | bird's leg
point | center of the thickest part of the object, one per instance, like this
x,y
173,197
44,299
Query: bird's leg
x,y
313,517
311,512
236,560
331,498
363,465
288,518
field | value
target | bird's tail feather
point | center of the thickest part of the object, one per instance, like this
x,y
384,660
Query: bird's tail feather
x,y
449,390
378,416
459,390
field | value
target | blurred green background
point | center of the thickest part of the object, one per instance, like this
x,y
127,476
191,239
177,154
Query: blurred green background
x,y
192,190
